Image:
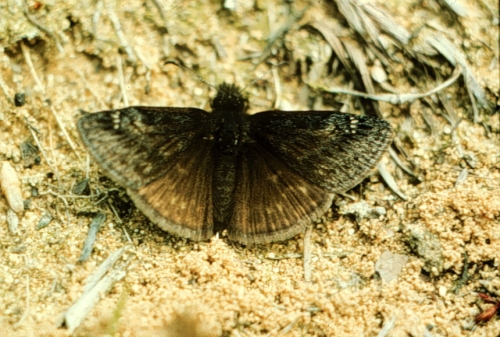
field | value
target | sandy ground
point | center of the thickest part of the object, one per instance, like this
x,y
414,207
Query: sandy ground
x,y
174,287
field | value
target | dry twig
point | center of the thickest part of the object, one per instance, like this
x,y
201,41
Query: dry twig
x,y
119,32
33,134
307,254
96,285
41,88
392,98
94,227
41,27
119,65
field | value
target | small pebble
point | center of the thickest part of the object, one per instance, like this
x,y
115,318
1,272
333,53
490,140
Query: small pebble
x,y
12,221
442,291
378,74
20,99
11,187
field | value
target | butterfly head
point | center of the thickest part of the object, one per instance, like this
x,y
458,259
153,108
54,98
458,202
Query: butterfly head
x,y
229,98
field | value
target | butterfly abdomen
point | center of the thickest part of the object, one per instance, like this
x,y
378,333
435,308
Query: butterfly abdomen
x,y
223,189
228,132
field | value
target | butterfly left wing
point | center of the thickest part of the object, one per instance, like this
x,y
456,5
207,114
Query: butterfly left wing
x,y
330,149
292,164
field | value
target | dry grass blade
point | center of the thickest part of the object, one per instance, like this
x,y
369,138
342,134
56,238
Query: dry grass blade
x,y
103,268
307,254
388,326
166,40
338,48
390,181
219,48
119,32
278,34
347,9
359,21
163,16
97,285
5,90
78,311
359,60
399,162
94,227
96,17
27,57
450,115
56,172
41,27
88,87
455,56
387,23
455,6
121,76
462,177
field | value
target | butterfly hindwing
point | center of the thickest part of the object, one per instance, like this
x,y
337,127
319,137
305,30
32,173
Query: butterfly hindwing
x,y
330,149
272,202
180,201
162,156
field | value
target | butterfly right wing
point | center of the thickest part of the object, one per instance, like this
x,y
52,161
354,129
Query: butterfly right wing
x,y
163,157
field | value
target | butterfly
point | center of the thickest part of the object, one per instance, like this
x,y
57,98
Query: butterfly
x,y
262,177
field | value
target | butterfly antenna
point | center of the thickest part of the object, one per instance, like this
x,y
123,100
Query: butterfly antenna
x,y
192,73
264,75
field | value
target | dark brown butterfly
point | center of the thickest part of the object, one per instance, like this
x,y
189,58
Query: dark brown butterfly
x,y
263,177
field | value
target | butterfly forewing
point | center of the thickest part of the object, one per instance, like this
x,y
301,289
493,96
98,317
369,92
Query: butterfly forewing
x,y
137,145
332,150
163,156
